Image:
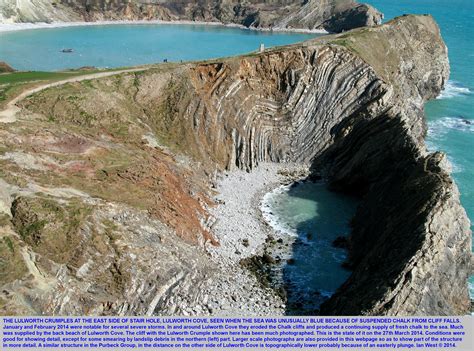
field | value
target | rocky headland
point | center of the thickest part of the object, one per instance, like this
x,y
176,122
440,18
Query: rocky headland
x,y
329,15
109,185
5,67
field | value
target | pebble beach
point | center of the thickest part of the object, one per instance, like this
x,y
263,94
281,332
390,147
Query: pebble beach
x,y
243,233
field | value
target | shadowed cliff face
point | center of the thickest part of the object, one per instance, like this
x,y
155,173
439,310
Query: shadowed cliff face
x,y
331,15
351,104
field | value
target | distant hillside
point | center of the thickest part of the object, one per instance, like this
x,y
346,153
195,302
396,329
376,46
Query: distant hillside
x,y
331,15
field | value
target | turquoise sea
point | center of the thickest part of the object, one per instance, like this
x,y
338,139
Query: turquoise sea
x,y
129,45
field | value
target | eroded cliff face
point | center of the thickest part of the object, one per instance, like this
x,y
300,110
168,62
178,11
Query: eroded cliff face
x,y
145,144
331,15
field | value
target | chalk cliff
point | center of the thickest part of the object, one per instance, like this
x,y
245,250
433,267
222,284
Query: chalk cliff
x,y
331,15
125,163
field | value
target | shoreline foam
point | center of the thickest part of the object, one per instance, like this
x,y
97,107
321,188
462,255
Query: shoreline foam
x,y
237,219
243,232
12,27
268,215
238,214
240,207
453,89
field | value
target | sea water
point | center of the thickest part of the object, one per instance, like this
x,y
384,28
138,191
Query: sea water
x,y
129,45
451,116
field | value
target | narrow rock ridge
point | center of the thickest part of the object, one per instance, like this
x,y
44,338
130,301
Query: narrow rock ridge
x,y
349,104
330,15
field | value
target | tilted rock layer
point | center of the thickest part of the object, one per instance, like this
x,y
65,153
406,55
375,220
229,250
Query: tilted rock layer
x,y
107,155
331,15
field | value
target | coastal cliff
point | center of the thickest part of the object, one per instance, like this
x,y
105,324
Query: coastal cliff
x,y
330,15
106,192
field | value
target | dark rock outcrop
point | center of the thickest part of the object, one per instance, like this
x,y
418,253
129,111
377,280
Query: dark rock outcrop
x,y
409,246
331,15
353,17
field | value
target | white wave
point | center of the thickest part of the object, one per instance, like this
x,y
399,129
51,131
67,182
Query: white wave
x,y
273,219
339,256
440,127
326,293
453,89
455,168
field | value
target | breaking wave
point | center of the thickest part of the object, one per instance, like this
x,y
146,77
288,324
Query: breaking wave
x,y
443,125
453,89
439,128
270,217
